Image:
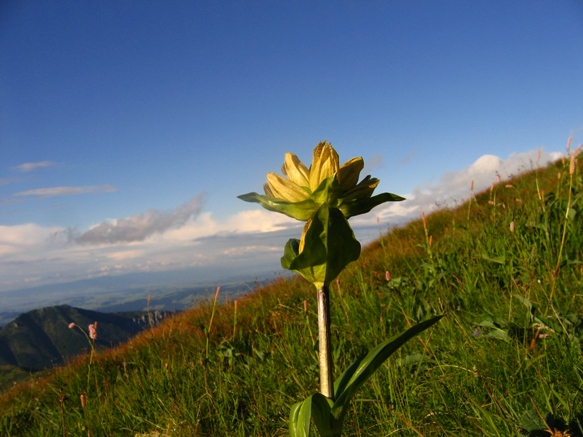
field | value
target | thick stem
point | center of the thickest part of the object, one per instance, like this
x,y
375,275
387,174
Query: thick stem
x,y
325,343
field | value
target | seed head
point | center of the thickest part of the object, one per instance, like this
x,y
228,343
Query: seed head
x,y
573,161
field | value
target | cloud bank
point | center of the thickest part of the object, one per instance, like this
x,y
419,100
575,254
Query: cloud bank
x,y
66,191
454,187
187,238
141,226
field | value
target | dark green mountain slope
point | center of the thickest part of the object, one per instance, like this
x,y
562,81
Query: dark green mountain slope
x,y
41,338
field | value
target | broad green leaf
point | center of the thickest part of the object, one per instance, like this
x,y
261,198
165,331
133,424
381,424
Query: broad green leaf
x,y
327,192
299,210
341,383
299,418
329,247
352,207
356,375
327,424
317,256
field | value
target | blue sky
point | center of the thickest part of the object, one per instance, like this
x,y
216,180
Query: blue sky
x,y
127,129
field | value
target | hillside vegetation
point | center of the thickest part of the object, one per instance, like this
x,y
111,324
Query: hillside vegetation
x,y
41,339
505,268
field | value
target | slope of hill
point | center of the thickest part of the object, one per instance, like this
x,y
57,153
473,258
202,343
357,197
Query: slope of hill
x,y
505,268
41,339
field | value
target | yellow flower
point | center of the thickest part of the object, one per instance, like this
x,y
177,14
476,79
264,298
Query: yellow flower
x,y
301,182
302,190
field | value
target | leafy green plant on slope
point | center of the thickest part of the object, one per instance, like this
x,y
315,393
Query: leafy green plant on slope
x,y
325,196
457,385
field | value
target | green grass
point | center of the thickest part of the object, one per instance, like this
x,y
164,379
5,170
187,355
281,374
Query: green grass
x,y
506,359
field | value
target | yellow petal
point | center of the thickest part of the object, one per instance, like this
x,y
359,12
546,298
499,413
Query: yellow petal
x,y
295,170
268,191
324,164
363,190
303,238
349,173
282,188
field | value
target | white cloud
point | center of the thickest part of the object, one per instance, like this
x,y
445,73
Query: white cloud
x,y
67,191
26,236
187,238
250,221
455,186
125,254
141,226
30,166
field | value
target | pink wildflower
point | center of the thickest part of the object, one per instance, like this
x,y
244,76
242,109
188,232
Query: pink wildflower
x,y
388,276
71,325
93,331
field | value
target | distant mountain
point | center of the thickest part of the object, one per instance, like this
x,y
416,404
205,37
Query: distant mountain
x,y
41,339
168,290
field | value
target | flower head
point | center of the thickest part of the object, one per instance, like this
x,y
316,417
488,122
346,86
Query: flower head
x,y
93,331
71,325
302,190
323,195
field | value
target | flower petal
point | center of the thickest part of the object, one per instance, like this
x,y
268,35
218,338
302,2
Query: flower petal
x,y
324,164
363,190
284,189
349,173
303,237
295,170
352,207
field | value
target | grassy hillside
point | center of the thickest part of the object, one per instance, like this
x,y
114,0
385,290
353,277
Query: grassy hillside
x,y
41,339
506,269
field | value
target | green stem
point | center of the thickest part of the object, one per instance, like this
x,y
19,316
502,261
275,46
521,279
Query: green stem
x,y
556,272
208,331
325,343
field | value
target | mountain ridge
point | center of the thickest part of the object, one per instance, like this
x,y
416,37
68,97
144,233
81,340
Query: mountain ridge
x,y
41,339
